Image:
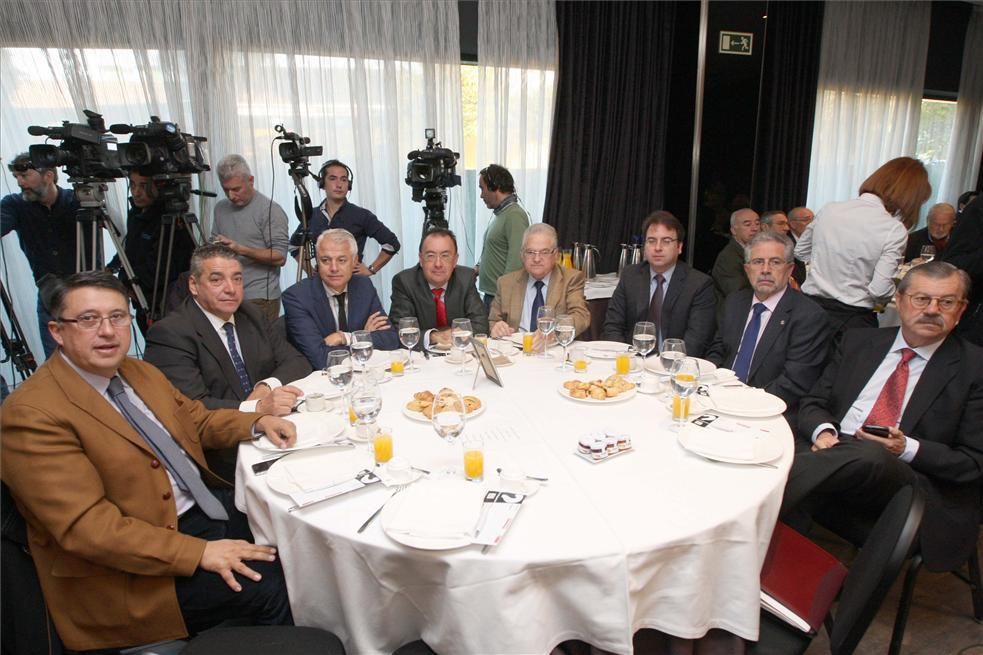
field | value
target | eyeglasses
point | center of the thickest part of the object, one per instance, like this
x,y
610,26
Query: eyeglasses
x,y
533,254
431,257
94,321
665,241
946,303
774,262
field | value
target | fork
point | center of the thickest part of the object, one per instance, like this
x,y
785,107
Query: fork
x,y
398,488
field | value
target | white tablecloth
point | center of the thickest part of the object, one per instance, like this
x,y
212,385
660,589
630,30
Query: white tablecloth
x,y
601,286
657,538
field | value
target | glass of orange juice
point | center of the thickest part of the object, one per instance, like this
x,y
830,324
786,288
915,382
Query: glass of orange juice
x,y
474,457
397,363
382,445
622,363
580,359
684,379
527,341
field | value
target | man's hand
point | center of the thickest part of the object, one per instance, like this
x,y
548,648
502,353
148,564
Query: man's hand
x,y
282,433
227,555
280,401
501,330
894,442
441,337
826,439
226,241
362,269
377,321
335,339
260,391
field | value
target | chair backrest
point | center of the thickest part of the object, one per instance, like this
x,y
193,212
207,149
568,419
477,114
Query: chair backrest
x,y
875,568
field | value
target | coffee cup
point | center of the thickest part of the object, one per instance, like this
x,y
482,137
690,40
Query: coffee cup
x,y
649,384
314,402
513,480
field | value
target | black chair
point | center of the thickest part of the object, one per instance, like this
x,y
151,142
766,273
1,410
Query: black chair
x,y
265,640
870,578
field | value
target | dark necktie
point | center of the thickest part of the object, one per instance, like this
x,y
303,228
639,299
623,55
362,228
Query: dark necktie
x,y
887,408
537,302
168,451
655,305
438,298
742,363
240,366
342,317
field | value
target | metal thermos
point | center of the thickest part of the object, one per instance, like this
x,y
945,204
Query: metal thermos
x,y
589,263
625,257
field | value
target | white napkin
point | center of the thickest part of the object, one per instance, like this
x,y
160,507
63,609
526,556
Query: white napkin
x,y
325,468
313,428
438,509
741,398
317,382
716,443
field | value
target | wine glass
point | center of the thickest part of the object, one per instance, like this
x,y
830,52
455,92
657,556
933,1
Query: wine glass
x,y
409,336
448,419
545,322
672,350
928,253
339,370
684,380
362,348
566,330
366,403
461,335
643,340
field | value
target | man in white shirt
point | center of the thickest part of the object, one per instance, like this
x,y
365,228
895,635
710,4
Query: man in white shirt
x,y
924,387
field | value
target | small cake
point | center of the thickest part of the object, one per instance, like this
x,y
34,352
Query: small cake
x,y
597,450
612,445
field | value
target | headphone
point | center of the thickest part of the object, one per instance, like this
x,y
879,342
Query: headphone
x,y
335,162
496,177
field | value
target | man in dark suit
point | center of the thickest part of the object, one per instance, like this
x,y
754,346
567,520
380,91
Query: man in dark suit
x,y
939,223
323,311
965,250
200,355
773,336
728,269
134,538
925,386
664,290
437,290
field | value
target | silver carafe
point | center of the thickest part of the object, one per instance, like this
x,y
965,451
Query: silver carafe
x,y
626,257
637,254
589,263
578,255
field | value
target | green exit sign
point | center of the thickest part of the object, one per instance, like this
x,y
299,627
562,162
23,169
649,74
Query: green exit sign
x,y
735,43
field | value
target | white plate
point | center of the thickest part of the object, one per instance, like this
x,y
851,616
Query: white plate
x,y
605,349
625,395
527,487
421,418
332,465
711,444
654,364
746,402
431,493
313,428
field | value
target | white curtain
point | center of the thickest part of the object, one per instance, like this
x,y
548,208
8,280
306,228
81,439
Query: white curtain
x,y
517,61
966,143
871,77
361,79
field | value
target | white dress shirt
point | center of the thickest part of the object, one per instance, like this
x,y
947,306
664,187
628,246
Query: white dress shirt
x,y
853,249
770,304
853,420
443,298
333,304
219,325
525,320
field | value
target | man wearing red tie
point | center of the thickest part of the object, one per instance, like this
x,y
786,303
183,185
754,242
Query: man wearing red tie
x,y
898,407
437,290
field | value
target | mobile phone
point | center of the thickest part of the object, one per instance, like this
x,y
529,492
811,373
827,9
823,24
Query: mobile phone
x,y
260,468
876,430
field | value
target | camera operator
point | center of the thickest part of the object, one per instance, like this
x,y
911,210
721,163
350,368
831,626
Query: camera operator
x,y
503,238
43,215
255,228
337,213
142,244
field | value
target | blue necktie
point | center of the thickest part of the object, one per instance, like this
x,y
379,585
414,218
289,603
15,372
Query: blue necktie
x,y
537,302
169,452
742,363
240,365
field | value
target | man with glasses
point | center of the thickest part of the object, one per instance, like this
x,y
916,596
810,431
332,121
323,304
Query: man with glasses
x,y
663,290
771,335
43,216
134,539
541,281
899,406
437,290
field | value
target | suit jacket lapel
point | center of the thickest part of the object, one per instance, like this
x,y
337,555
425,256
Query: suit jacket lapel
x,y
674,291
250,342
558,288
428,306
322,306
939,370
517,302
861,371
213,344
776,325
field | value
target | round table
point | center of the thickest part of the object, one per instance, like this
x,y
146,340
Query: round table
x,y
654,538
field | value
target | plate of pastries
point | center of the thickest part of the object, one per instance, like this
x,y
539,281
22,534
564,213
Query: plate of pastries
x,y
611,389
421,406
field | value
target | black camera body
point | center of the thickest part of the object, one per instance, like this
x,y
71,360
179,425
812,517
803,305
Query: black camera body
x,y
170,152
88,152
295,150
430,169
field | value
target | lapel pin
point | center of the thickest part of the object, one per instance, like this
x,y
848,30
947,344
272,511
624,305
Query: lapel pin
x,y
782,322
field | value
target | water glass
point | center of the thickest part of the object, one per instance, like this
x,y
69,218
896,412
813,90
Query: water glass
x,y
461,336
362,347
565,330
643,340
545,323
672,350
409,336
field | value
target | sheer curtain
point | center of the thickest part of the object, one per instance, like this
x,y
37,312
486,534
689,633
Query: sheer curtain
x,y
361,79
517,60
966,143
871,78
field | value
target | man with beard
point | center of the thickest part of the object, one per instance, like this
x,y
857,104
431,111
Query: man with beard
x,y
43,215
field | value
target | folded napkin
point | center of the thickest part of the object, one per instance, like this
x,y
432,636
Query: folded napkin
x,y
322,469
739,446
317,382
313,428
438,509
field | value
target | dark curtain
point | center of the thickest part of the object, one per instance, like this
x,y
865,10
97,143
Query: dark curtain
x,y
607,159
780,176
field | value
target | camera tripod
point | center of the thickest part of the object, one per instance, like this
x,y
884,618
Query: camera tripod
x,y
14,344
303,208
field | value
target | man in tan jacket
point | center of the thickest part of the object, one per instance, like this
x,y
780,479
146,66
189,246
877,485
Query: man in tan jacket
x,y
540,282
133,538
